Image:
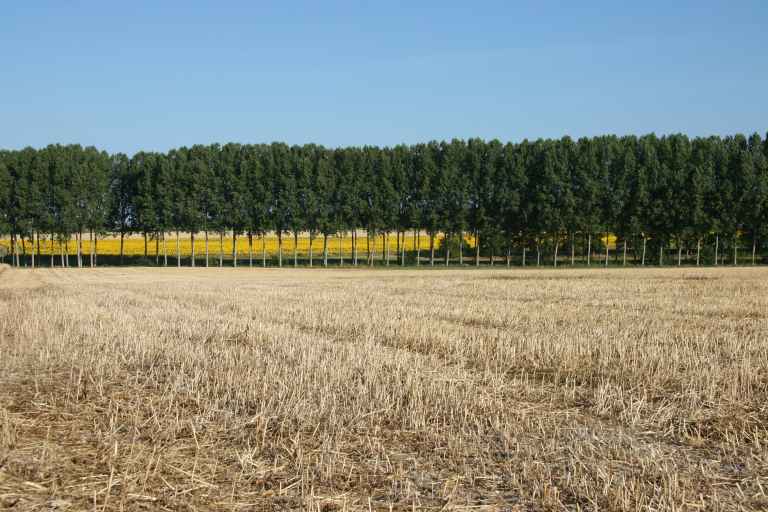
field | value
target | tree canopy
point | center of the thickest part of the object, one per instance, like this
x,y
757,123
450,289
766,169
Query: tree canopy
x,y
669,191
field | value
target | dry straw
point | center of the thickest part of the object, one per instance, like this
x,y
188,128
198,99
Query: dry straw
x,y
224,389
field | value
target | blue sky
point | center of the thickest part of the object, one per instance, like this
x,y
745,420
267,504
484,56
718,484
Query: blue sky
x,y
125,76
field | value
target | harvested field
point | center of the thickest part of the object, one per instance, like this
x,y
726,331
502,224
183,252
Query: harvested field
x,y
252,389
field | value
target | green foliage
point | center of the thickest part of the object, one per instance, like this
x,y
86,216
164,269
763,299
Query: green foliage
x,y
669,190
452,242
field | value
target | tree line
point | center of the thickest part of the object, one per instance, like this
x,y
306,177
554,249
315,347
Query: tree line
x,y
700,198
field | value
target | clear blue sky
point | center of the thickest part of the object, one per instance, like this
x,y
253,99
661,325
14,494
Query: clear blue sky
x,y
126,76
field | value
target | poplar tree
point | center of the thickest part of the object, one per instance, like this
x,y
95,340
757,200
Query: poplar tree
x,y
283,192
97,198
385,198
340,193
143,169
256,198
401,197
546,195
121,191
302,169
511,186
233,194
478,172
164,201
585,184
5,195
632,217
432,190
754,202
672,192
698,223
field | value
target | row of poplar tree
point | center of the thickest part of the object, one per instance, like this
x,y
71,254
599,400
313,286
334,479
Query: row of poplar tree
x,y
698,199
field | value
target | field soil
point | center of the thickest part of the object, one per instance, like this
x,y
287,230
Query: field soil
x,y
253,389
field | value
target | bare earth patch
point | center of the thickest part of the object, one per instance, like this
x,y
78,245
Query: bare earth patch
x,y
240,389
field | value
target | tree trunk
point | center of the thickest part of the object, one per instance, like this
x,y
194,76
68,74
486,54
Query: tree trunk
x,y
94,237
280,249
341,249
311,239
79,251
461,248
661,254
735,250
325,249
490,247
295,249
573,249
398,245
369,255
146,251
679,252
509,256
61,248
372,253
221,249
754,250
589,248
432,249
524,255
386,247
90,246
645,241
207,250
606,249
192,242
477,248
32,252
383,246
698,251
538,252
250,249
165,251
66,252
354,247
157,249
418,247
447,250
234,248
717,247
264,250
557,245
122,245
402,249
624,260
